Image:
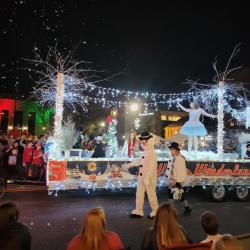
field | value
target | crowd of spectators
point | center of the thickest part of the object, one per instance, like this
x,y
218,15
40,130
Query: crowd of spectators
x,y
166,233
22,157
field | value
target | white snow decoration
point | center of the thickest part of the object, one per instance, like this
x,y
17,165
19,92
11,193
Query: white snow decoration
x,y
69,135
208,156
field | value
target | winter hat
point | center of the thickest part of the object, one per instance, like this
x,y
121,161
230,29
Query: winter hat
x,y
248,145
145,136
174,145
98,138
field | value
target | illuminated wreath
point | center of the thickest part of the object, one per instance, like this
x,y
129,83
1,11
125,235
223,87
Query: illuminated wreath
x,y
91,166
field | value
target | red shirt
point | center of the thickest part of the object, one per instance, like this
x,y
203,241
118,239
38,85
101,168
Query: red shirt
x,y
27,154
39,160
112,239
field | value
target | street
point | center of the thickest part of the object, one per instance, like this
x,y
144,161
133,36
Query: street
x,y
53,221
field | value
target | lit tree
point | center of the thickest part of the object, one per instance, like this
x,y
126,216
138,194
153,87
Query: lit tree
x,y
221,97
62,83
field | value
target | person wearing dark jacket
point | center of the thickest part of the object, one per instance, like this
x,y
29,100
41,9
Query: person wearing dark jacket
x,y
13,234
166,230
99,151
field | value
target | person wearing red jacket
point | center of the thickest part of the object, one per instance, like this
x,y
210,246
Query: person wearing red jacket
x,y
27,156
37,161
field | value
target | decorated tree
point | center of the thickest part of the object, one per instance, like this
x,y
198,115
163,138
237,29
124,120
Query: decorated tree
x,y
112,144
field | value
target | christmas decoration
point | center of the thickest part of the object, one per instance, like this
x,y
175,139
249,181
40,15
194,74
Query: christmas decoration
x,y
75,172
112,144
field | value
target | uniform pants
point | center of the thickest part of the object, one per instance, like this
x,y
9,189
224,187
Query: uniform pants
x,y
140,194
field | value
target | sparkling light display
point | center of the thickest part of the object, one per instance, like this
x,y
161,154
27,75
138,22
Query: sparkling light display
x,y
112,149
222,97
247,115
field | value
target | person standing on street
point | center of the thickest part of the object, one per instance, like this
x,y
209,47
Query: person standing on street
x,y
176,174
147,178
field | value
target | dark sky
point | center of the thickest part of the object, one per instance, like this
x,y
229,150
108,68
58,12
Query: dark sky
x,y
159,43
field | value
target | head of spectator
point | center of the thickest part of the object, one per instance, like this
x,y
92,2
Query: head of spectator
x,y
93,228
13,234
169,232
227,242
39,146
98,139
15,144
210,224
94,235
29,144
11,210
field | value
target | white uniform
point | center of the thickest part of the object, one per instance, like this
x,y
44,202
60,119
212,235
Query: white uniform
x,y
177,170
147,179
176,174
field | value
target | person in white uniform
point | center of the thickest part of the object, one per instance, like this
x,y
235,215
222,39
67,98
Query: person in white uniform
x,y
176,174
193,127
147,177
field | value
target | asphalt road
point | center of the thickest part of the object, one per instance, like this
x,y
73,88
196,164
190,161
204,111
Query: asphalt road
x,y
53,221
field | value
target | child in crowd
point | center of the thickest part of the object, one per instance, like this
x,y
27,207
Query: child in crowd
x,y
27,157
166,230
13,155
210,224
94,234
37,161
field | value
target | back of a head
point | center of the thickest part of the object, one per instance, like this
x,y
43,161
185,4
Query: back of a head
x,y
93,233
11,210
168,230
227,242
210,223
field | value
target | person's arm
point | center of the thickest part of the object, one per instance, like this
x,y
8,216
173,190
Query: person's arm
x,y
207,114
135,162
183,108
22,144
8,149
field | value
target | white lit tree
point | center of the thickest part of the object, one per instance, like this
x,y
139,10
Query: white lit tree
x,y
62,83
221,97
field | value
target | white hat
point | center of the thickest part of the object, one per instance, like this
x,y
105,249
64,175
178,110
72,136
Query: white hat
x,y
98,138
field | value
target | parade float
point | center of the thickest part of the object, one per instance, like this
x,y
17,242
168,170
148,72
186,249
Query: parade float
x,y
70,169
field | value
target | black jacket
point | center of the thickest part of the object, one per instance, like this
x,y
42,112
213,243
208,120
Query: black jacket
x,y
99,151
15,237
150,240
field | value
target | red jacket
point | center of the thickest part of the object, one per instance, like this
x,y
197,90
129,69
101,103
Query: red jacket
x,y
27,155
37,161
112,239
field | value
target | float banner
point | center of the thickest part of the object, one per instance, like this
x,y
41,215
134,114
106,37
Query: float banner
x,y
115,169
57,170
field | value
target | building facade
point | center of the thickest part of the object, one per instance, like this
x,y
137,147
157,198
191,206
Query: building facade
x,y
24,116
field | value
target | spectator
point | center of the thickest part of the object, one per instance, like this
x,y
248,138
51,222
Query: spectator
x,y
13,234
210,225
11,140
27,157
166,230
13,159
226,242
99,148
94,235
37,162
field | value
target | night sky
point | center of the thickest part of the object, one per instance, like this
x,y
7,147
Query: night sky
x,y
156,45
